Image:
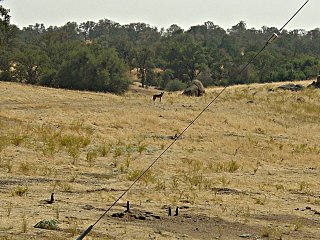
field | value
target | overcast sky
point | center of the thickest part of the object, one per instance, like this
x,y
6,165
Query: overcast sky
x,y
163,13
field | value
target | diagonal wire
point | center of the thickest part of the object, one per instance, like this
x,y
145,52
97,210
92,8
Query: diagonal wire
x,y
293,16
270,40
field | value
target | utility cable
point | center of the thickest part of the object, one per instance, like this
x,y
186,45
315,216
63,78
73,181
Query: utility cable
x,y
270,40
293,16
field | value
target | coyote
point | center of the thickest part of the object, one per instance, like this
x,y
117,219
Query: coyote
x,y
158,96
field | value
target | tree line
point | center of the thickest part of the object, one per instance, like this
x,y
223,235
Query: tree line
x,y
99,56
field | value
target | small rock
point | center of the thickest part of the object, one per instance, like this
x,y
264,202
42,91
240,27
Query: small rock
x,y
88,207
245,235
118,215
48,224
142,218
292,87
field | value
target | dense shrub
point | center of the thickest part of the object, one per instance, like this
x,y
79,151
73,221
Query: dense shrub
x,y
86,71
175,85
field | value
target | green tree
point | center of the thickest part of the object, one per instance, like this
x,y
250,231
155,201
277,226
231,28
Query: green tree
x,y
4,18
193,59
5,71
185,57
266,65
5,74
86,29
87,71
113,71
173,30
29,64
144,62
4,25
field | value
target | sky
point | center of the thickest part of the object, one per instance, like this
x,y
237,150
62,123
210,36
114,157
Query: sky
x,y
163,13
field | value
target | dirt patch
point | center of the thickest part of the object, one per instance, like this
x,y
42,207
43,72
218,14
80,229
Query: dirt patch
x,y
189,225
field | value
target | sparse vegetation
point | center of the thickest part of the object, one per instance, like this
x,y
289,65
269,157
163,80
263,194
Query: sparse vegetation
x,y
24,224
17,139
104,149
233,158
92,155
65,186
142,148
117,152
218,167
8,207
224,181
304,187
20,191
261,200
26,168
3,143
147,178
9,165
298,225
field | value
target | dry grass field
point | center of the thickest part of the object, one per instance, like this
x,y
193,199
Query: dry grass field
x,y
247,169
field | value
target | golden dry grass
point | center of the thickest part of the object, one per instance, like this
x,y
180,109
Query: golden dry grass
x,y
244,167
